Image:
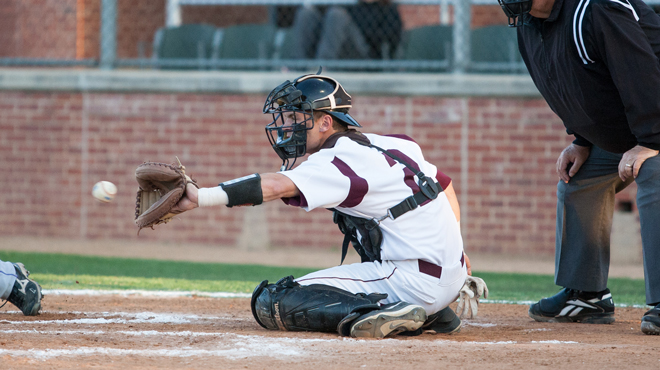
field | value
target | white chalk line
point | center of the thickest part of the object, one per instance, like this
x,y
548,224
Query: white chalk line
x,y
145,293
231,353
100,318
233,347
223,344
479,324
527,303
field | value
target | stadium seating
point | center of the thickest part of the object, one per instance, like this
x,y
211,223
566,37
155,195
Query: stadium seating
x,y
248,41
495,48
189,41
426,43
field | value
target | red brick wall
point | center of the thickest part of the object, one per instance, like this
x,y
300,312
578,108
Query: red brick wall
x,y
55,146
424,15
38,28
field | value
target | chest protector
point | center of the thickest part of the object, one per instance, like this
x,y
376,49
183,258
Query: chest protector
x,y
371,237
367,244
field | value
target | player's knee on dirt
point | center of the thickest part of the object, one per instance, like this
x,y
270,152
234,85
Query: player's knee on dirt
x,y
287,305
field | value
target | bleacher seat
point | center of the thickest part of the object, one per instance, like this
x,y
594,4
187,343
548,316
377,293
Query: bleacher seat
x,y
189,41
283,45
247,41
497,45
426,43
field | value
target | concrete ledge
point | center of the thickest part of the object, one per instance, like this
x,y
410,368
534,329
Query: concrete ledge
x,y
241,82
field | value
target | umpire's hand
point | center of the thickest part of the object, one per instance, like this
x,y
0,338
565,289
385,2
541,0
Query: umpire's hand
x,y
570,160
632,161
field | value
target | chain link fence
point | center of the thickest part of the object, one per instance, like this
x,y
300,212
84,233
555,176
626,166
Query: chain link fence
x,y
447,36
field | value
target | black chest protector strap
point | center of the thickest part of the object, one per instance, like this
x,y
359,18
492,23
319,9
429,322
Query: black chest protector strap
x,y
428,189
371,236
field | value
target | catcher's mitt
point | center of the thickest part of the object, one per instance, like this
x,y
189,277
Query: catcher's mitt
x,y
161,187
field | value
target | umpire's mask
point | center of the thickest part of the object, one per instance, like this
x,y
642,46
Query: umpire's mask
x,y
292,105
516,10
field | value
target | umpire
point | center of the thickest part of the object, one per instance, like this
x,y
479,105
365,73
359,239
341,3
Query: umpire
x,y
596,64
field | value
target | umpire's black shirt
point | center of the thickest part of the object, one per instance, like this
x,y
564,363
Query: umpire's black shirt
x,y
596,64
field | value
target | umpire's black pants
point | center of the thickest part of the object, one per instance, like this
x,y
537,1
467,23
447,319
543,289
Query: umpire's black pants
x,y
585,208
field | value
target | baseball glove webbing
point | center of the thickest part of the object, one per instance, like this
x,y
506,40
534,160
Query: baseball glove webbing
x,y
161,186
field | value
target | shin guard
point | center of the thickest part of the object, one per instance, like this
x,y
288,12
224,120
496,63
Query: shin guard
x,y
287,305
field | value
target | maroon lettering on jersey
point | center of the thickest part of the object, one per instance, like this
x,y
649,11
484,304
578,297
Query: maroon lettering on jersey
x,y
358,187
402,136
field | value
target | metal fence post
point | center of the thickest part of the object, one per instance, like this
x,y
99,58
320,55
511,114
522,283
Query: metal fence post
x,y
173,13
444,12
462,21
108,33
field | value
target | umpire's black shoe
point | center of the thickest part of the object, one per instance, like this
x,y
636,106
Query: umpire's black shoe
x,y
26,293
651,321
575,306
389,320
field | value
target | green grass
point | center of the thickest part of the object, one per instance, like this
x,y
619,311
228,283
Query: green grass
x,y
61,271
528,287
65,264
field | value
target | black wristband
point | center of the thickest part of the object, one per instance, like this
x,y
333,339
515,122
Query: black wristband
x,y
244,191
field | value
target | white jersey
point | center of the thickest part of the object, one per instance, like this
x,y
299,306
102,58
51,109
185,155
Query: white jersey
x,y
361,181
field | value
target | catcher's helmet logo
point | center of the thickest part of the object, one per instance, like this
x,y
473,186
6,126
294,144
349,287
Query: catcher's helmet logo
x,y
292,105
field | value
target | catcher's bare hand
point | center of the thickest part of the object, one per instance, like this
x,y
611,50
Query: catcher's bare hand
x,y
632,161
188,201
468,304
573,156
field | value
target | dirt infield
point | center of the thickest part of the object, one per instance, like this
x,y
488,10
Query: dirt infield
x,y
119,332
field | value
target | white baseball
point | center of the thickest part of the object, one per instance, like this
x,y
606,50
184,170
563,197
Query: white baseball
x,y
104,191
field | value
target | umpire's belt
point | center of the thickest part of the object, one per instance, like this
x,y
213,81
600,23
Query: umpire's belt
x,y
432,269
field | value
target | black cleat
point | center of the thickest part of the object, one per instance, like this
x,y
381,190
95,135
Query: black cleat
x,y
651,321
26,293
444,321
391,320
574,306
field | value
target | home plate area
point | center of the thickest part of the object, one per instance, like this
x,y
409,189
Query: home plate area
x,y
152,330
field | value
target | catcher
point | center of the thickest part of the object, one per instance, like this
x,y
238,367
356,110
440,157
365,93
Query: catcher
x,y
397,210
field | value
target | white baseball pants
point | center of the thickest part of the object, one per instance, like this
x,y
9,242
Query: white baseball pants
x,y
401,280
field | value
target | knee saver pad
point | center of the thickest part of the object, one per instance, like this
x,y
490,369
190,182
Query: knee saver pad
x,y
286,305
261,306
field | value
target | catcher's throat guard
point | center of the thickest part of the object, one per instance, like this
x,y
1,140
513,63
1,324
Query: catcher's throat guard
x,y
292,105
161,186
287,305
516,10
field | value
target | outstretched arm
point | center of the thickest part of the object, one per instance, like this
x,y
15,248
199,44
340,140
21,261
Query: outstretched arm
x,y
273,186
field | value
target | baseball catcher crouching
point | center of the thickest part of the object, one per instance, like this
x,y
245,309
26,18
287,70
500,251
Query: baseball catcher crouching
x,y
396,209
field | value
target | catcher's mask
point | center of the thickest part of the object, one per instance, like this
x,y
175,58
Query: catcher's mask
x,y
292,105
515,10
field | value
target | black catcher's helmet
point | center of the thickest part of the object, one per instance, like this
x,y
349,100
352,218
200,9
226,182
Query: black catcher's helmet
x,y
516,10
303,96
